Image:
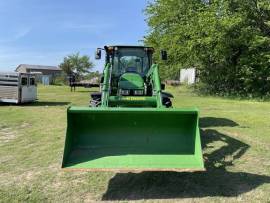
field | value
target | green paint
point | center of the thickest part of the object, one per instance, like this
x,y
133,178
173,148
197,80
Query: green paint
x,y
131,81
106,85
113,136
132,138
136,101
153,76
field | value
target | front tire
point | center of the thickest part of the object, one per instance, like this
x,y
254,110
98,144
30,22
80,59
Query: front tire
x,y
95,102
166,101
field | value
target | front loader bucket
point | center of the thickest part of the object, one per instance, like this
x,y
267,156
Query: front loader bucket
x,y
132,139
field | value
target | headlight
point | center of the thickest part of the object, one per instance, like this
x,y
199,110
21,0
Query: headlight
x,y
124,92
138,92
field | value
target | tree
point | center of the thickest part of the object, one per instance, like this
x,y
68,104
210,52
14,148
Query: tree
x,y
92,75
77,64
227,41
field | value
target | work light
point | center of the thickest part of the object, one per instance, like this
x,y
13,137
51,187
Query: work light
x,y
138,92
124,92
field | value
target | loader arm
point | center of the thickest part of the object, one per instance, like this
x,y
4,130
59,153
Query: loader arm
x,y
153,77
106,85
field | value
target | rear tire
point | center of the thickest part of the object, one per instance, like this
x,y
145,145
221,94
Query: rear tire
x,y
95,99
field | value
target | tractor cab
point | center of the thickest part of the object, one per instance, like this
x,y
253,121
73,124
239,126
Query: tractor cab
x,y
130,65
131,60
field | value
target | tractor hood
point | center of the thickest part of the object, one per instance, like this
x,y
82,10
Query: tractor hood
x,y
130,81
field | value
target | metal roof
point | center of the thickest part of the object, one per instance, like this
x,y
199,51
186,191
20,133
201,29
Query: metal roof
x,y
40,67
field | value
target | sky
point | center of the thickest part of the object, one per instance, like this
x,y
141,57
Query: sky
x,y
43,32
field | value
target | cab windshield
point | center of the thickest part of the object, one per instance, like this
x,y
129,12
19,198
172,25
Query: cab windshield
x,y
131,60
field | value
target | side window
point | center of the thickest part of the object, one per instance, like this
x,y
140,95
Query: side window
x,y
24,81
32,81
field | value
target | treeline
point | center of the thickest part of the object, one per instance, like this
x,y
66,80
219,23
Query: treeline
x,y
78,66
228,41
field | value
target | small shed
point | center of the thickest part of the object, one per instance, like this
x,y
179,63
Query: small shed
x,y
188,76
44,74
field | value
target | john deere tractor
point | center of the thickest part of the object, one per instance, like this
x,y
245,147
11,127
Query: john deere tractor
x,y
131,125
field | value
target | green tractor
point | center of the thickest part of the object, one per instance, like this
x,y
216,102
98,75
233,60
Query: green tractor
x,y
131,125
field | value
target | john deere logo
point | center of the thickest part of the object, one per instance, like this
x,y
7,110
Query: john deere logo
x,y
134,98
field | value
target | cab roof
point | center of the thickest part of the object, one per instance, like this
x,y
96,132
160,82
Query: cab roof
x,y
130,46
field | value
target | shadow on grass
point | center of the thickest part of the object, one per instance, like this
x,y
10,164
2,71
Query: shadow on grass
x,y
37,103
170,185
206,122
87,90
47,103
215,181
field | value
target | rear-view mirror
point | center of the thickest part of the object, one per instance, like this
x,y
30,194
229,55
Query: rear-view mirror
x,y
98,54
164,55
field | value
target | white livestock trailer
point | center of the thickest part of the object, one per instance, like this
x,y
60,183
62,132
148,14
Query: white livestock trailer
x,y
17,87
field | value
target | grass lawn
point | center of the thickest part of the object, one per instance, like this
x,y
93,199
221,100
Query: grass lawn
x,y
236,145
